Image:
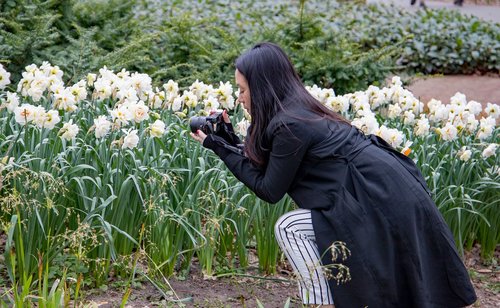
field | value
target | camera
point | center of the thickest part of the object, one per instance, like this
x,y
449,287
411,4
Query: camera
x,y
208,124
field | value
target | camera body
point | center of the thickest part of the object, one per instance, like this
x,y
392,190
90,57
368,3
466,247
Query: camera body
x,y
208,124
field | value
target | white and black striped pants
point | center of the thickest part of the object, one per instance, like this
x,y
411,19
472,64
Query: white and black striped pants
x,y
295,235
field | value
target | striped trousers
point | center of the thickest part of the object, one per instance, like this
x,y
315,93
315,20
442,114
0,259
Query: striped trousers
x,y
295,235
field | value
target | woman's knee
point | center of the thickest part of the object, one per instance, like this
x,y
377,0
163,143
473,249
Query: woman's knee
x,y
285,223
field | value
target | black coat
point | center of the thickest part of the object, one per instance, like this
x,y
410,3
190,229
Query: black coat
x,y
364,193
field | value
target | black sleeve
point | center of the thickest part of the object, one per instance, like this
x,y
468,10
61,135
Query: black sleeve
x,y
272,182
226,131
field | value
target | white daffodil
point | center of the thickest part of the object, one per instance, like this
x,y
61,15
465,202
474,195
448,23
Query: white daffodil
x,y
359,99
422,127
54,71
394,111
417,106
474,107
12,101
24,84
338,104
121,115
171,87
387,93
391,135
486,128
69,130
397,92
207,91
51,119
56,87
197,88
177,103
91,78
65,100
242,127
322,95
225,95
31,69
433,104
440,114
139,111
142,84
102,126
396,81
490,150
459,99
492,110
127,95
211,104
24,113
102,88
39,116
408,117
157,100
471,124
79,91
378,100
105,73
464,154
4,77
190,99
367,124
157,129
372,92
315,91
123,74
131,139
449,132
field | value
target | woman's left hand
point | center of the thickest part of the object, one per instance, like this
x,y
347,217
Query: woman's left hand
x,y
199,136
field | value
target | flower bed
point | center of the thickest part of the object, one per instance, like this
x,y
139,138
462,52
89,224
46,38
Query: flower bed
x,y
100,174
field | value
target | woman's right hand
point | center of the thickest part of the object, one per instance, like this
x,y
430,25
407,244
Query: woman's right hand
x,y
225,116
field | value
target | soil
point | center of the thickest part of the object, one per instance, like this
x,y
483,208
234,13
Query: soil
x,y
271,291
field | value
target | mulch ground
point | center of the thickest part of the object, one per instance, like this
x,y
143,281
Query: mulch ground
x,y
271,291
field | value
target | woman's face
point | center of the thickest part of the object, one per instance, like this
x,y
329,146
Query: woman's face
x,y
244,97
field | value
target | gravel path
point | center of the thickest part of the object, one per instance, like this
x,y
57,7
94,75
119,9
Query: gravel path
x,y
483,89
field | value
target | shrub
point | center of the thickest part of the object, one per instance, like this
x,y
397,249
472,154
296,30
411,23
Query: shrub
x,y
442,41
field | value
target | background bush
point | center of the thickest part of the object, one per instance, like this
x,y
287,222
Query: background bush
x,y
78,36
346,46
442,41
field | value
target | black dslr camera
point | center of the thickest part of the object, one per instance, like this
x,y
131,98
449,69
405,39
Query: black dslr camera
x,y
208,124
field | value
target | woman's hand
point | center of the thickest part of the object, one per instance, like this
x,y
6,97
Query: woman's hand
x,y
225,116
199,136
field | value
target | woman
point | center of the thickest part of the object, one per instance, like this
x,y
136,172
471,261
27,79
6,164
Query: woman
x,y
349,188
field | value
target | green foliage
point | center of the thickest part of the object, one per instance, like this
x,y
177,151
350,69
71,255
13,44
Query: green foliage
x,y
442,41
78,36
188,49
330,60
183,41
204,44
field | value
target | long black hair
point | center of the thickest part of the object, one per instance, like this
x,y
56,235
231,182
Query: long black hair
x,y
272,80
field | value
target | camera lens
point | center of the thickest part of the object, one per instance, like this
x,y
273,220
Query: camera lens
x,y
197,123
